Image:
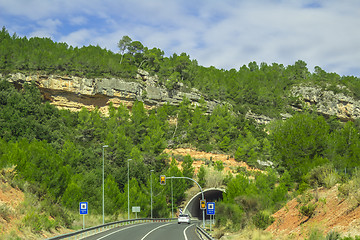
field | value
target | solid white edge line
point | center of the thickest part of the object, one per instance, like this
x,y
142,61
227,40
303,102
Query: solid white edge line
x,y
121,230
155,230
185,230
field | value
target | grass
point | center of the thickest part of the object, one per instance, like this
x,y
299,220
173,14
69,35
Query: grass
x,y
6,212
92,220
245,234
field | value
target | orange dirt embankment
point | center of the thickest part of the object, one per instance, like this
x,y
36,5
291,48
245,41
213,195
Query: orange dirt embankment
x,y
332,213
10,200
230,164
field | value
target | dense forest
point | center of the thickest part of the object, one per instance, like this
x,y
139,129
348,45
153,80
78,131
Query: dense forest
x,y
57,154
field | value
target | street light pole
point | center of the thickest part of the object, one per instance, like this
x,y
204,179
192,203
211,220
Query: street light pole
x,y
103,192
128,190
151,171
172,200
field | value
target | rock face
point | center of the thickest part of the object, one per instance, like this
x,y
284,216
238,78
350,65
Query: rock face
x,y
260,119
327,102
73,93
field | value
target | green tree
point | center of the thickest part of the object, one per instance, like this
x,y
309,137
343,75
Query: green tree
x,y
112,196
299,143
123,45
344,147
179,185
72,195
201,176
248,149
219,165
188,169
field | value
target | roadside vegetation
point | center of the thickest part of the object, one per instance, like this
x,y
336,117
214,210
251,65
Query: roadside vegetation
x,y
57,154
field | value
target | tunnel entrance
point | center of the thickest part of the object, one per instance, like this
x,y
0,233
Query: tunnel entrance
x,y
210,195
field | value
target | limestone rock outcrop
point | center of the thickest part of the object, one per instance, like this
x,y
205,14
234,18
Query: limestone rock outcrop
x,y
327,103
71,92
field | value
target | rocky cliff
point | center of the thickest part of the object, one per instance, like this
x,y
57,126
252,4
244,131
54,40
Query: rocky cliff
x,y
73,93
327,103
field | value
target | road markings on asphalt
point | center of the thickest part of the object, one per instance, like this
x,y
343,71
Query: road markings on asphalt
x,y
185,230
155,230
120,230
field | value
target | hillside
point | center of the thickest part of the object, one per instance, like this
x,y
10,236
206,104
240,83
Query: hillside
x,y
332,214
71,116
10,203
16,206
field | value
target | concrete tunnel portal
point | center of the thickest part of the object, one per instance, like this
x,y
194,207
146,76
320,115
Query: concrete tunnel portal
x,y
210,195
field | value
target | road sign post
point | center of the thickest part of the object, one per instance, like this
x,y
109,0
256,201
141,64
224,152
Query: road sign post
x,y
135,210
83,210
210,210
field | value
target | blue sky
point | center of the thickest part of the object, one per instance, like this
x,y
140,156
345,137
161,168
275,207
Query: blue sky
x,y
222,33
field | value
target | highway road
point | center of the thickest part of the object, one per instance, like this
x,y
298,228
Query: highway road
x,y
150,231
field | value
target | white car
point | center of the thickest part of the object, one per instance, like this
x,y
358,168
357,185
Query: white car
x,y
184,218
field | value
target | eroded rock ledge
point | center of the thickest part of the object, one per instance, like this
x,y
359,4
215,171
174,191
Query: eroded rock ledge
x,y
327,103
73,93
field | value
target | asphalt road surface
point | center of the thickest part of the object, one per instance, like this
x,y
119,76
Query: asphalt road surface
x,y
150,231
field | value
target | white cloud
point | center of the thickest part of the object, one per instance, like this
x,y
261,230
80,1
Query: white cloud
x,y
78,20
79,38
225,34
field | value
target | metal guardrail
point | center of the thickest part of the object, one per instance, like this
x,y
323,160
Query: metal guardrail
x,y
203,234
97,229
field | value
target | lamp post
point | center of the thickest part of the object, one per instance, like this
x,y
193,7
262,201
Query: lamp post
x,y
172,200
151,171
103,171
128,190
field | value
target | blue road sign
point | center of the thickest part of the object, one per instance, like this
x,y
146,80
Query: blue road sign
x,y
210,208
83,208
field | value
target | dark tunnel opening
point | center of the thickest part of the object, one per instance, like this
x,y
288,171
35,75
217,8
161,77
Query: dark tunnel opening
x,y
210,195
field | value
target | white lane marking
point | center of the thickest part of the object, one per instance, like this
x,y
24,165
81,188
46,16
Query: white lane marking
x,y
155,230
120,230
185,230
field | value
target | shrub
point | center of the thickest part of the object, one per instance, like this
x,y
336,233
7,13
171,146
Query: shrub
x,y
333,236
351,188
32,220
322,176
316,234
230,216
308,210
213,178
303,186
344,190
262,220
351,238
219,165
5,212
38,222
249,204
305,198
